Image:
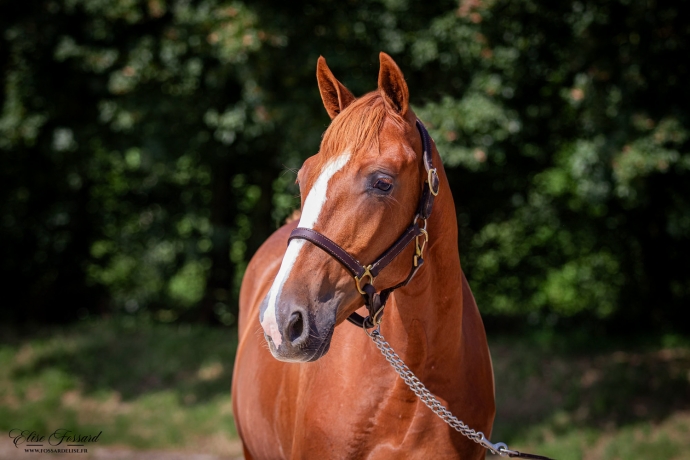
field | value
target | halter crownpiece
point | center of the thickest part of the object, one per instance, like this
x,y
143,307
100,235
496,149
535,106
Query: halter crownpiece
x,y
365,275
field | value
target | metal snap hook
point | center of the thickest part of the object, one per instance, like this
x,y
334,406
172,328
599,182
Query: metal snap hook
x,y
419,248
378,316
374,329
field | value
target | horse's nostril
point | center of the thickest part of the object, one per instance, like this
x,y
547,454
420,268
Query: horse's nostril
x,y
295,326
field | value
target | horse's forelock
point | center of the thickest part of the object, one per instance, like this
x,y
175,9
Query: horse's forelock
x,y
357,128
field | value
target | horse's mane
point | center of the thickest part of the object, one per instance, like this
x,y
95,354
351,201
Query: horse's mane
x,y
357,127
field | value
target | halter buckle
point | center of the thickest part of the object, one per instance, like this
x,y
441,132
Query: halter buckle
x,y
358,280
429,180
419,248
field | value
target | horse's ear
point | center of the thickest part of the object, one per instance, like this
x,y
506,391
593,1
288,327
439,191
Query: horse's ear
x,y
334,95
392,84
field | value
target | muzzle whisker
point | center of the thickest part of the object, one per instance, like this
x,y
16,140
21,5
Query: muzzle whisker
x,y
294,171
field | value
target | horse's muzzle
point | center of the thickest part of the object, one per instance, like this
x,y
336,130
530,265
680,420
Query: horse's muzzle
x,y
303,338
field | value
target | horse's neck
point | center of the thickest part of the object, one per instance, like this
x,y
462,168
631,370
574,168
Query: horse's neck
x,y
429,310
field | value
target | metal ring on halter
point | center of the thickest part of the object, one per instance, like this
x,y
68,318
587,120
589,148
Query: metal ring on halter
x,y
417,217
431,184
358,280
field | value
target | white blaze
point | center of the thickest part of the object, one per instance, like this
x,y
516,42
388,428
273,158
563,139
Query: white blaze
x,y
310,213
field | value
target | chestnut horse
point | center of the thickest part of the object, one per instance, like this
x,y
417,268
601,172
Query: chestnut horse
x,y
291,398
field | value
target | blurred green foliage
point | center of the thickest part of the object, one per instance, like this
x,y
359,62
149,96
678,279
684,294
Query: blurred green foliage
x,y
148,147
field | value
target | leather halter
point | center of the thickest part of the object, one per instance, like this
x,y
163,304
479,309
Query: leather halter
x,y
375,301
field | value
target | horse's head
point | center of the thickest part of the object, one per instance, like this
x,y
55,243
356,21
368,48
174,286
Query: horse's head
x,y
361,191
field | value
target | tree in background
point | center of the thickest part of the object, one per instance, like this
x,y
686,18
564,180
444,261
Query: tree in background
x,y
148,147
129,133
574,119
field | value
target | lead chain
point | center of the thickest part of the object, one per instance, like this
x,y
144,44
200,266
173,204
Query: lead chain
x,y
430,400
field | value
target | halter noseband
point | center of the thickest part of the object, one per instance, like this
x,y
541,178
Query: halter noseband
x,y
375,302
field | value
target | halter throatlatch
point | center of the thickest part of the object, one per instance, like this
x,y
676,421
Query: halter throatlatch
x,y
365,275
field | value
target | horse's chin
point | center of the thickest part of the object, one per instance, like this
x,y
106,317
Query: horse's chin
x,y
315,349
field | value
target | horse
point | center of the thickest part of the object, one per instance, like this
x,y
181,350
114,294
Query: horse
x,y
306,383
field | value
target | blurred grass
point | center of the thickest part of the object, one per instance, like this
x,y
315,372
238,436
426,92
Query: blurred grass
x,y
144,385
157,386
569,398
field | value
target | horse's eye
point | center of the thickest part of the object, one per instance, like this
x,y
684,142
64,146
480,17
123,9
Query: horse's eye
x,y
382,185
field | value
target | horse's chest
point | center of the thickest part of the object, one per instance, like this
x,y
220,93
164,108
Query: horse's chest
x,y
373,422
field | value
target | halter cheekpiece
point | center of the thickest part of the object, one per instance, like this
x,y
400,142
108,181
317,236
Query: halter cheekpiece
x,y
365,275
